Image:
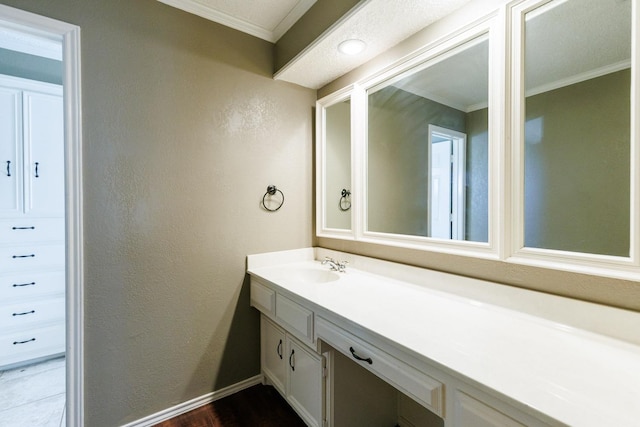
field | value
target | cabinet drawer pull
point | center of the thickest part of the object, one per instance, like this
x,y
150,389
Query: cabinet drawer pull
x,y
18,285
362,359
23,342
279,349
24,256
8,167
24,314
292,360
23,228
37,175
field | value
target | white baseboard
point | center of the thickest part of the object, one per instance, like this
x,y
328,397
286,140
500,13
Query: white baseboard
x,y
192,404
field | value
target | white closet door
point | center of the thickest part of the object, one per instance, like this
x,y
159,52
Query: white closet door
x,y
44,154
10,153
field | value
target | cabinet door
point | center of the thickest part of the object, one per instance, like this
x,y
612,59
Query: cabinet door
x,y
305,386
272,349
10,152
44,154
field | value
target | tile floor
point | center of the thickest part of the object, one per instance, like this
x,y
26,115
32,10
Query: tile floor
x,y
33,395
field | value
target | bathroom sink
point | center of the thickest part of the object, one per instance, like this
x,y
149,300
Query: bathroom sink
x,y
307,275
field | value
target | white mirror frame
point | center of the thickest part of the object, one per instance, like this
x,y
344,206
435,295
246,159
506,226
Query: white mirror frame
x,y
611,266
321,165
359,101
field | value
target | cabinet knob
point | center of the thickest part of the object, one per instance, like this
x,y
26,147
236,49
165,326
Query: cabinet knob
x,y
279,349
24,342
8,167
37,174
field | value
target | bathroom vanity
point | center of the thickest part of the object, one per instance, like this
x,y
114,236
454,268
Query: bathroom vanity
x,y
455,351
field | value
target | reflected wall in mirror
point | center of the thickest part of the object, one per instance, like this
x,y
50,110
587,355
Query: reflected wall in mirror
x,y
577,126
337,176
427,148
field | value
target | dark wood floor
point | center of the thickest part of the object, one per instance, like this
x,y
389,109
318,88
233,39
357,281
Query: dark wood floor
x,y
257,406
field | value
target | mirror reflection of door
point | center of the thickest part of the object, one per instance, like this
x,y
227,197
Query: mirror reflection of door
x,y
447,189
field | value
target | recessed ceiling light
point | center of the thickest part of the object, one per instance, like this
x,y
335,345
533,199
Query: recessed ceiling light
x,y
351,46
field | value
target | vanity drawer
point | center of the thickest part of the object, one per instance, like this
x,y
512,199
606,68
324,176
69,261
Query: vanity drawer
x,y
29,285
26,230
33,343
263,298
25,257
297,319
31,313
425,390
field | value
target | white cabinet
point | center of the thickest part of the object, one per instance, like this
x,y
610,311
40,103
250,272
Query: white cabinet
x,y
294,370
32,229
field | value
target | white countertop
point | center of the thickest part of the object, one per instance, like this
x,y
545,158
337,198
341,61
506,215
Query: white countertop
x,y
572,375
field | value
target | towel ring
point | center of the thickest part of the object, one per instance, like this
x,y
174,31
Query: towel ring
x,y
345,202
272,190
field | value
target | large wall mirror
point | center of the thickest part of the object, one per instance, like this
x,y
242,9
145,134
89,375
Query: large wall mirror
x,y
514,139
427,148
575,127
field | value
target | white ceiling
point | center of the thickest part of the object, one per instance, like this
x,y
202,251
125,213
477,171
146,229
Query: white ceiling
x,y
266,19
380,23
551,49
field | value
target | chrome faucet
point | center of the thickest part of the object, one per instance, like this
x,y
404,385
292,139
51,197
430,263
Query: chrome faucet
x,y
338,266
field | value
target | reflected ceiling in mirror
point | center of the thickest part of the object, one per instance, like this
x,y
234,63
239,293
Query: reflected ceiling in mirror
x,y
427,148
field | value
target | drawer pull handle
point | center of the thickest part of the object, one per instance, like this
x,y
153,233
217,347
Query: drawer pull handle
x,y
37,174
292,360
8,167
18,285
362,359
279,349
25,313
23,228
23,342
25,256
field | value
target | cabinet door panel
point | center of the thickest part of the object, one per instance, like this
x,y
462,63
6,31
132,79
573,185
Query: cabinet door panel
x,y
44,153
10,152
273,350
305,389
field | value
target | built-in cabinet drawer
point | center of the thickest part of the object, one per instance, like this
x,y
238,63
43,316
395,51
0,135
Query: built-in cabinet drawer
x,y
296,318
25,285
27,313
29,230
424,389
24,257
33,343
263,298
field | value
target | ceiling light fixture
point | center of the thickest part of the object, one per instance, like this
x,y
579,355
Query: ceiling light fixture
x,y
351,46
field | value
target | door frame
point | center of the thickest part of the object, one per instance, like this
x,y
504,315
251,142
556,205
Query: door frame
x,y
458,177
69,36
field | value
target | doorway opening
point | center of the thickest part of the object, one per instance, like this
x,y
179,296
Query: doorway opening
x,y
37,32
447,159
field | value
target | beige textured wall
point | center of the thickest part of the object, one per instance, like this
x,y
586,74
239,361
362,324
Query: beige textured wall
x,y
184,128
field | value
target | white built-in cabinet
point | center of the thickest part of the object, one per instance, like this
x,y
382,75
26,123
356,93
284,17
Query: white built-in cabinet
x,y
292,366
32,228
333,373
